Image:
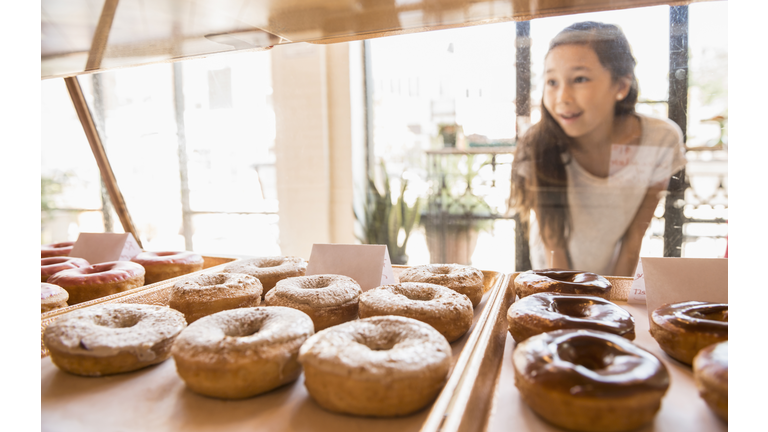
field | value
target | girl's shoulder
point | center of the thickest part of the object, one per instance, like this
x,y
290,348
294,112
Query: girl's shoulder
x,y
656,130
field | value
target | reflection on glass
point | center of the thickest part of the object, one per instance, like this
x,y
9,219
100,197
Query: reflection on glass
x,y
458,77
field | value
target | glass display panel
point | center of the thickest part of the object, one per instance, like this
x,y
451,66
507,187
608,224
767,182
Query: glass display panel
x,y
191,148
72,196
454,77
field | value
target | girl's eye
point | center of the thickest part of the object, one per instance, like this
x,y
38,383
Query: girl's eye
x,y
551,83
581,79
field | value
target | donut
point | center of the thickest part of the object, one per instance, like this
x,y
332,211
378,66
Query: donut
x,y
99,280
682,329
56,249
462,279
562,281
327,299
51,266
52,297
543,312
587,380
710,372
269,270
449,312
165,265
381,366
112,338
240,353
207,294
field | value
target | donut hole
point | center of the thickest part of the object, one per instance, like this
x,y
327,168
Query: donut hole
x,y
214,279
441,270
246,329
382,347
96,268
417,295
378,343
710,313
162,254
319,283
572,308
587,352
112,321
267,263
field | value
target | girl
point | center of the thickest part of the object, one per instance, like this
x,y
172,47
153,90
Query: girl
x,y
589,175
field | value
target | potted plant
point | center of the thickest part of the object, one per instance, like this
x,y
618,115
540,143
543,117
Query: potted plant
x,y
382,221
449,132
455,214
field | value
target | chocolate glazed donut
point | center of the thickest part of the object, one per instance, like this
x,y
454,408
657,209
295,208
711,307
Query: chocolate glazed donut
x,y
562,281
588,380
710,372
543,312
683,329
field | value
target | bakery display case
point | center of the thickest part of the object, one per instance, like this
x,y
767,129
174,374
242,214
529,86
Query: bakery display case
x,y
322,144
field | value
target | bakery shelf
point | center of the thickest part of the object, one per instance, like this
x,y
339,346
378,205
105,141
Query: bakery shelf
x,y
210,264
156,398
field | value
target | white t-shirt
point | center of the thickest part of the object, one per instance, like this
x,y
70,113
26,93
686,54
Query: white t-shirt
x,y
601,209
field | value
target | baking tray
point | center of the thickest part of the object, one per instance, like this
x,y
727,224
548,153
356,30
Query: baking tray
x,y
487,399
156,399
210,264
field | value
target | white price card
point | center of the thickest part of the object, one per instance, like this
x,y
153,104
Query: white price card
x,y
637,291
368,265
102,247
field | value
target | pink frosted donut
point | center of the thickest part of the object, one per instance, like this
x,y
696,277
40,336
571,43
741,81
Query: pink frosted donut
x,y
166,265
51,266
56,249
99,280
52,297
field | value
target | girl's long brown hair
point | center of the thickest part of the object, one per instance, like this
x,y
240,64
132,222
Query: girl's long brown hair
x,y
539,180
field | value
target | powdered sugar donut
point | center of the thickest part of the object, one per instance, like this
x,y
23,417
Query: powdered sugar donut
x,y
207,294
462,279
112,338
449,312
327,299
380,366
269,270
242,352
52,297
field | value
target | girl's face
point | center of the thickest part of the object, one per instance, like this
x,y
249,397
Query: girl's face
x,y
579,91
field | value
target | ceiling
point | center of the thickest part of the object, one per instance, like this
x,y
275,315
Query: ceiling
x,y
86,36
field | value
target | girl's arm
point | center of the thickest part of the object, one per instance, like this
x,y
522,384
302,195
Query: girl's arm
x,y
633,237
557,258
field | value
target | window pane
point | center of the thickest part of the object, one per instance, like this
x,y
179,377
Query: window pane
x,y
71,196
220,147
